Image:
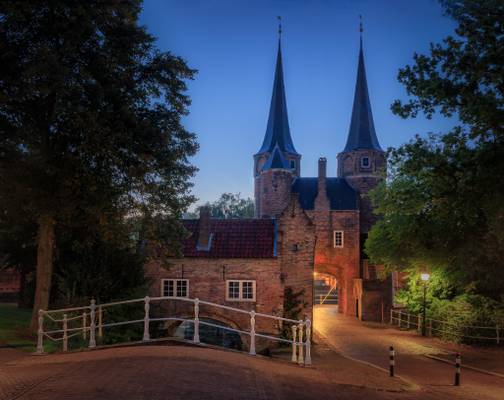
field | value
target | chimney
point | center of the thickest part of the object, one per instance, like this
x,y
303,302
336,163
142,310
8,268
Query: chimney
x,y
321,201
322,173
204,238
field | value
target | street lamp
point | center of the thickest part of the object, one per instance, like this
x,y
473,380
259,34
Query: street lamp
x,y
424,276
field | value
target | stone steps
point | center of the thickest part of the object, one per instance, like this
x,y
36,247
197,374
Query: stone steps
x,y
320,292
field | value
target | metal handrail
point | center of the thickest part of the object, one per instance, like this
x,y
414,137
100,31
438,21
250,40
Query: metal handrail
x,y
328,293
498,329
301,349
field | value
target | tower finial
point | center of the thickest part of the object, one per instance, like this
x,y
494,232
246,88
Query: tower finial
x,y
361,29
279,26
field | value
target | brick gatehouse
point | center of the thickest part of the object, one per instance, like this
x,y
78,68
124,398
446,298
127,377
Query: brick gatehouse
x,y
303,227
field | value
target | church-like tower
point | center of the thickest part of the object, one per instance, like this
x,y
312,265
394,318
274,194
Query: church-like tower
x,y
277,162
362,163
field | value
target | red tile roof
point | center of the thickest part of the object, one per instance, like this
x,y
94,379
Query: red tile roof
x,y
233,238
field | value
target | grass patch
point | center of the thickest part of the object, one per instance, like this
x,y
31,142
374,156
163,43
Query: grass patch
x,y
15,329
14,324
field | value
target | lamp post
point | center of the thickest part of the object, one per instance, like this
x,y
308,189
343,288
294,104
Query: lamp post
x,y
425,278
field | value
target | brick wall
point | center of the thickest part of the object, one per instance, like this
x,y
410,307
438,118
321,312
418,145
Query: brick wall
x,y
363,179
207,281
343,263
296,251
273,192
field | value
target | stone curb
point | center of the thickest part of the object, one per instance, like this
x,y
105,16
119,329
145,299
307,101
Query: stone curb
x,y
483,371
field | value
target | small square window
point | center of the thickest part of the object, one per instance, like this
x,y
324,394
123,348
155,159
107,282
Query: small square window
x,y
293,164
248,290
365,163
338,238
238,290
234,289
175,288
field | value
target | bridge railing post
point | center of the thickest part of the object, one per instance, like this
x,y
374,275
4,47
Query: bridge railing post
x,y
294,338
308,342
92,324
196,338
40,332
146,334
252,333
84,322
65,333
300,345
100,322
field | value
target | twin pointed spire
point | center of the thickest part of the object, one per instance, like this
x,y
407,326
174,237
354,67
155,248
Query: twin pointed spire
x,y
362,134
277,131
277,140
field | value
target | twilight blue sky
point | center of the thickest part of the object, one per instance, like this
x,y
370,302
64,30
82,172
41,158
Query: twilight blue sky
x,y
233,45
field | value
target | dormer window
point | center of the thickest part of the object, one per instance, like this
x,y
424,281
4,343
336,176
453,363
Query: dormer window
x,y
364,162
293,164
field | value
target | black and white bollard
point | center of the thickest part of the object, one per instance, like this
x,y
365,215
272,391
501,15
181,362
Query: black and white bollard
x,y
457,369
391,360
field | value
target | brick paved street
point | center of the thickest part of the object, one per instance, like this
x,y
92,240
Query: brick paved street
x,y
369,342
181,372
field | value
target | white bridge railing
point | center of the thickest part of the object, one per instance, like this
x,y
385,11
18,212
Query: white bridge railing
x,y
437,327
301,330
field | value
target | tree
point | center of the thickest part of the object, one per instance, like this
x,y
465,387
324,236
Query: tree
x,y
229,205
443,204
90,122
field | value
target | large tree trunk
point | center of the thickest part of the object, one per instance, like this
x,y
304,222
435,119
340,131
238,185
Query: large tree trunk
x,y
45,250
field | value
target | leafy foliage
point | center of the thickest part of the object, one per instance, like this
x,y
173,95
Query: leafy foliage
x,y
443,204
459,317
464,75
229,205
292,307
90,125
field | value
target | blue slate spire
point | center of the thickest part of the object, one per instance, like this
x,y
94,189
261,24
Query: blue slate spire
x,y
276,160
362,134
277,131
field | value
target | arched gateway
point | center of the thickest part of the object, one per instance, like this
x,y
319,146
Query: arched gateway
x,y
303,226
338,206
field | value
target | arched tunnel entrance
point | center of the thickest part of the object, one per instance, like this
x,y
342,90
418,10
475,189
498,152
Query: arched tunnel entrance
x,y
325,289
211,332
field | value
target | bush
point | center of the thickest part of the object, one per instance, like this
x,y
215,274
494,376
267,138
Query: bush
x,y
454,314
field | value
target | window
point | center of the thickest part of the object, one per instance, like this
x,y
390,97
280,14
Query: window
x,y
293,164
240,290
175,287
364,162
338,238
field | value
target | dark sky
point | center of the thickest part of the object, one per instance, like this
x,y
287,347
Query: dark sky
x,y
232,43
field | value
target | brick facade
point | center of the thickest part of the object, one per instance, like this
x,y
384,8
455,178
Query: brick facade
x,y
207,281
274,189
358,294
289,264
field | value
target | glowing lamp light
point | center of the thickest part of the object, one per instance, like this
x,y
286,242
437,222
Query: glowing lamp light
x,y
424,276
